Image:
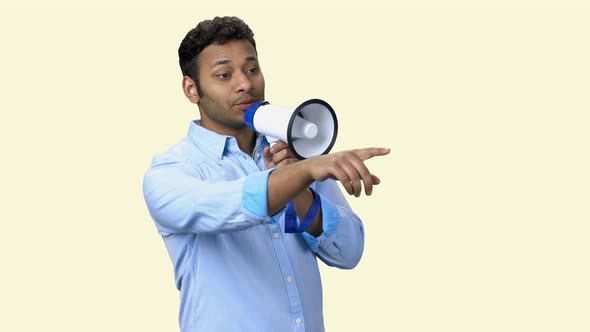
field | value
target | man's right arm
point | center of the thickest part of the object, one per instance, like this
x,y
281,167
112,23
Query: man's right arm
x,y
348,167
182,202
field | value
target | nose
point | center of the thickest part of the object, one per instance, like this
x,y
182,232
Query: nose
x,y
243,82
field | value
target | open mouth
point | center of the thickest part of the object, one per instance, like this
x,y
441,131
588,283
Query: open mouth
x,y
246,103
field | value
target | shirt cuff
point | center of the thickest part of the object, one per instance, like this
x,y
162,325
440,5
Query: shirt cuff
x,y
330,219
255,193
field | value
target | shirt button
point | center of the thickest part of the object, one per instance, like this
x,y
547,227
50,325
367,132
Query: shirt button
x,y
276,235
298,321
289,279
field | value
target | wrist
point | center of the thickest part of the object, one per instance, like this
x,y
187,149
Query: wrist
x,y
307,205
307,166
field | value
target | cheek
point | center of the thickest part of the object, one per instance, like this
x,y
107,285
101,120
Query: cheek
x,y
213,94
260,83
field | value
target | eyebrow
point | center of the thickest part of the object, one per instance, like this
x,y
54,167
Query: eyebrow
x,y
227,61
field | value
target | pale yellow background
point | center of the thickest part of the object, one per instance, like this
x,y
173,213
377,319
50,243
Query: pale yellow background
x,y
480,224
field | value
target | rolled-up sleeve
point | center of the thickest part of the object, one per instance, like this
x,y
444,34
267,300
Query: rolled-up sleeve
x,y
181,202
255,193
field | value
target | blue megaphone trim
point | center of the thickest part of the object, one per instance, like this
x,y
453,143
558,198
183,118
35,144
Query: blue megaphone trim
x,y
249,115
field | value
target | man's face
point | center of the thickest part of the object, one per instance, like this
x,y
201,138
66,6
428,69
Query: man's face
x,y
231,81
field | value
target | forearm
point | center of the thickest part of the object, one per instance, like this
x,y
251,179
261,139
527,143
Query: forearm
x,y
302,203
280,156
290,183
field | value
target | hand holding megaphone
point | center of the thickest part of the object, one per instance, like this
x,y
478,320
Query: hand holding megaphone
x,y
309,129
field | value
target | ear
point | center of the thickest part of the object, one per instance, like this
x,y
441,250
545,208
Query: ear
x,y
190,89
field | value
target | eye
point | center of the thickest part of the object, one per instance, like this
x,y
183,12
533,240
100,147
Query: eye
x,y
223,75
253,70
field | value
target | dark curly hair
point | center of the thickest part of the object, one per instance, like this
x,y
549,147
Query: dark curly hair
x,y
216,31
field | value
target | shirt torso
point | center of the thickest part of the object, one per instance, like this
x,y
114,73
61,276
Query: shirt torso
x,y
244,278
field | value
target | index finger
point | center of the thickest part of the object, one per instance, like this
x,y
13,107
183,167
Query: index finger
x,y
368,153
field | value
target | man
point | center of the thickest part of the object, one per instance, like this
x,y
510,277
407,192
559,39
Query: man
x,y
219,197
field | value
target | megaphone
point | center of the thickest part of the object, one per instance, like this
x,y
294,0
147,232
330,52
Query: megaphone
x,y
310,129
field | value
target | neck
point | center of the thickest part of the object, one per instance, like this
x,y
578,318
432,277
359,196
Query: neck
x,y
246,140
244,136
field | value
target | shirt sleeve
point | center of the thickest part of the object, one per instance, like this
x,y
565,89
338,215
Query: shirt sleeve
x,y
181,202
343,239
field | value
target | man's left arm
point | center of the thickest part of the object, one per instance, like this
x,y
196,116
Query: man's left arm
x,y
336,234
342,238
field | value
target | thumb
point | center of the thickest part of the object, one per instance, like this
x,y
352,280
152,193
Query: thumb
x,y
268,157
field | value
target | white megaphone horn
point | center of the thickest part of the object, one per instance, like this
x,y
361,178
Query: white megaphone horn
x,y
310,129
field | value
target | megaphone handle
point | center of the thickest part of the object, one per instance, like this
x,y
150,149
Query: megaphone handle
x,y
272,140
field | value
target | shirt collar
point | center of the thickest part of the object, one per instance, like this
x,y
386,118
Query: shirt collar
x,y
208,140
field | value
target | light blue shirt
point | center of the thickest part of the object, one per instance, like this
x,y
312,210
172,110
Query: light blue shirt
x,y
235,267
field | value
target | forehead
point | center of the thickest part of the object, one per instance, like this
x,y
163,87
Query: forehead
x,y
233,52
